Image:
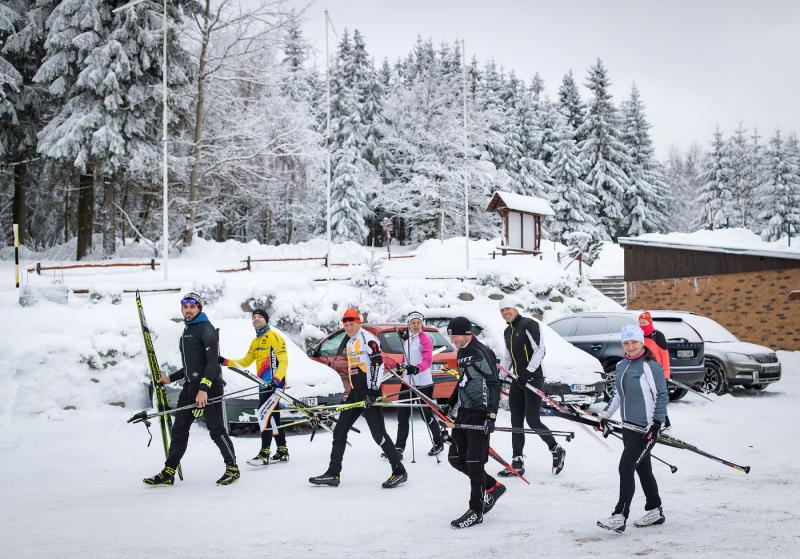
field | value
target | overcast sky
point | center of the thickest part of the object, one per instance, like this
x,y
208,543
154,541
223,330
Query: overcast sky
x,y
697,63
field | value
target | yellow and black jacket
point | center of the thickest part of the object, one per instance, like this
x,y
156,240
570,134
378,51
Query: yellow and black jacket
x,y
268,350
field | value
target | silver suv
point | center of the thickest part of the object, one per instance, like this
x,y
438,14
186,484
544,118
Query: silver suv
x,y
731,362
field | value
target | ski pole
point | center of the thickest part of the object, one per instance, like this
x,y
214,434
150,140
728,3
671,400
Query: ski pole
x,y
448,421
677,443
688,389
568,434
143,416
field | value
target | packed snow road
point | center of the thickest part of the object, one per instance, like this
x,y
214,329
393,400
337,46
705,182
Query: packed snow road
x,y
73,488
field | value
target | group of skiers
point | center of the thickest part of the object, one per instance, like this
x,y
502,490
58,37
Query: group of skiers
x,y
640,395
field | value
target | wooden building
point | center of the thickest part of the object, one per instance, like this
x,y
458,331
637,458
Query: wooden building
x,y
522,221
753,293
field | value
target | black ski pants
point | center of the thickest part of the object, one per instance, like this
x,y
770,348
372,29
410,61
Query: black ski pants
x,y
377,429
215,421
526,405
403,415
266,434
469,451
634,444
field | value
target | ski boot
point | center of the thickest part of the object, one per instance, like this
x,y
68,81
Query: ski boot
x,y
615,523
558,459
492,495
395,479
651,518
164,478
436,449
468,519
325,479
231,474
517,464
261,459
281,455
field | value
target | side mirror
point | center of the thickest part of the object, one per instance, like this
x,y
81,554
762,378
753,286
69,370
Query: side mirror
x,y
311,352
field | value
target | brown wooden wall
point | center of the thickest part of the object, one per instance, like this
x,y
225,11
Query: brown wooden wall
x,y
649,263
754,305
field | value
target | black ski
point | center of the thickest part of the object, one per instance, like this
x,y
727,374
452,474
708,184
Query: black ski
x,y
159,394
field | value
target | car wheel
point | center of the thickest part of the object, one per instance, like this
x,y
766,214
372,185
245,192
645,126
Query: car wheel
x,y
676,394
608,376
714,379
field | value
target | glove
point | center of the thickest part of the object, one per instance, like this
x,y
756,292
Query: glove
x,y
403,334
221,360
446,409
605,426
488,427
412,369
370,398
653,430
197,412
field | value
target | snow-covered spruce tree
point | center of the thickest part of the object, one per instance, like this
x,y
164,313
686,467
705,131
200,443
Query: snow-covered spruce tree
x,y
571,199
605,153
528,175
681,173
715,194
646,193
24,106
350,172
570,104
754,177
741,183
780,193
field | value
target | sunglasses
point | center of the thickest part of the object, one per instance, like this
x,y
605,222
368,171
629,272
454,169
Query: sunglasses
x,y
190,301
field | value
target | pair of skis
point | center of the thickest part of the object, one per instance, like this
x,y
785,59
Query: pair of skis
x,y
159,394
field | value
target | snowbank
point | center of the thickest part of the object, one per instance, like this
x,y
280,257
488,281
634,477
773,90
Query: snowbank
x,y
609,262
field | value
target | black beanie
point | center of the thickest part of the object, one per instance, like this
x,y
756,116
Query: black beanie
x,y
459,326
263,313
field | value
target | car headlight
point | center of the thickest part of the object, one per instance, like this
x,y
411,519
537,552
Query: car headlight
x,y
740,358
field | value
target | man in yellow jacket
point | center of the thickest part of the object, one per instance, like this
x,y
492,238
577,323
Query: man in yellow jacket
x,y
268,350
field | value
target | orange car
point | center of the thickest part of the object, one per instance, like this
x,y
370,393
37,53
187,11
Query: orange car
x,y
330,351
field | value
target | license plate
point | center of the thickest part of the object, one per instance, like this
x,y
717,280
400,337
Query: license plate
x,y
310,401
685,353
437,368
582,388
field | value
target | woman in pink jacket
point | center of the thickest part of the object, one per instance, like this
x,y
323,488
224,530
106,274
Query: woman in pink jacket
x,y
418,352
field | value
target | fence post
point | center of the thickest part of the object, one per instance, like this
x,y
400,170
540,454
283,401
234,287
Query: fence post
x,y
580,263
153,264
16,252
248,263
38,268
326,260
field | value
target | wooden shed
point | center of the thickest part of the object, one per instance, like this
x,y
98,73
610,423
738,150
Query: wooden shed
x,y
522,221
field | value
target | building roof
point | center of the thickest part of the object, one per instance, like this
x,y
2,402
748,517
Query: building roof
x,y
519,203
701,247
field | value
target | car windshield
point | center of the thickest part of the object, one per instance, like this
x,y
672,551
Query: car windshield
x,y
710,330
390,342
675,329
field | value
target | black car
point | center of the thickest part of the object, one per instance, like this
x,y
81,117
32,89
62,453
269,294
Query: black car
x,y
597,333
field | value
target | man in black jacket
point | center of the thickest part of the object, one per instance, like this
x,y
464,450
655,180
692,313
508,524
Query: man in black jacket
x,y
524,355
199,347
478,396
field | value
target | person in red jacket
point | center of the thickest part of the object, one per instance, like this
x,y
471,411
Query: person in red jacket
x,y
657,343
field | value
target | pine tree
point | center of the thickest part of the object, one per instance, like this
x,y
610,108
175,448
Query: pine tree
x,y
605,153
715,194
780,194
646,193
741,173
349,169
571,199
570,104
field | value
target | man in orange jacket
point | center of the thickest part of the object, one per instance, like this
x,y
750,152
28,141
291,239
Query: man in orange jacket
x,y
656,342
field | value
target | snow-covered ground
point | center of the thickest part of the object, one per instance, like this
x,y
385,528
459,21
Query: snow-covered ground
x,y
73,466
71,488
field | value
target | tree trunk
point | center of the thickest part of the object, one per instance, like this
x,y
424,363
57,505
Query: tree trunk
x,y
85,214
194,179
123,222
109,215
20,208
